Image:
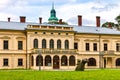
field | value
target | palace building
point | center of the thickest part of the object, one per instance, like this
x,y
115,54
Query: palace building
x,y
53,45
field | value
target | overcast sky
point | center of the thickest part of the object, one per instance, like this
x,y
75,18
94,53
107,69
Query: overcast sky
x,y
68,10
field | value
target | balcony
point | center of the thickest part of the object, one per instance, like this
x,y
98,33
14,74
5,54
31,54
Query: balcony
x,y
54,51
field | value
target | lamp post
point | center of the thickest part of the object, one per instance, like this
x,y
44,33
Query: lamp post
x,y
39,52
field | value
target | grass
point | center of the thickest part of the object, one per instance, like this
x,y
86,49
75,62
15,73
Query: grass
x,y
106,74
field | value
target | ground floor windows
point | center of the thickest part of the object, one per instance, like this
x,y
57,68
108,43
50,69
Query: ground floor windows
x,y
56,62
20,62
39,60
118,62
5,62
64,61
72,60
32,61
91,62
47,60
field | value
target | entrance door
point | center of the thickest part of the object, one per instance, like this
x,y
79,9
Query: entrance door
x,y
56,62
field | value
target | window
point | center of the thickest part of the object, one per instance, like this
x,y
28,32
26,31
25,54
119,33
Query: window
x,y
36,32
91,62
64,60
58,44
20,62
35,43
66,44
59,33
66,33
72,61
51,44
5,46
95,46
20,45
51,33
75,45
5,62
105,47
44,32
43,43
87,47
117,46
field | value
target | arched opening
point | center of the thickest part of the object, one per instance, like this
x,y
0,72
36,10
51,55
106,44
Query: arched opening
x,y
35,43
72,60
118,62
64,61
91,62
56,62
66,44
32,60
47,60
58,44
51,44
43,43
39,60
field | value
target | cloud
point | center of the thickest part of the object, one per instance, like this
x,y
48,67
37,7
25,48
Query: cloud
x,y
68,10
106,7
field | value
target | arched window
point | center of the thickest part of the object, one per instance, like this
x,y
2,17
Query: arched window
x,y
72,61
118,62
35,43
58,44
91,62
51,44
32,61
39,60
47,60
43,43
66,44
64,61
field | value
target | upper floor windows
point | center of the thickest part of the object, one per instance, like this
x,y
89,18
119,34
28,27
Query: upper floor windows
x,y
105,47
117,46
51,44
87,46
43,43
66,44
5,44
75,45
94,46
58,44
20,45
35,43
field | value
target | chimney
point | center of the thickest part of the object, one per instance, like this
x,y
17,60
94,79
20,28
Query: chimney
x,y
8,19
22,19
60,21
40,20
79,20
98,21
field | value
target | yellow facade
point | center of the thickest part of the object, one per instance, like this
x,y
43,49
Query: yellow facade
x,y
54,58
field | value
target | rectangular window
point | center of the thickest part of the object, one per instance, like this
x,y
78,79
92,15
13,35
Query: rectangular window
x,y
20,62
105,47
5,62
95,46
117,46
75,45
20,45
87,47
5,44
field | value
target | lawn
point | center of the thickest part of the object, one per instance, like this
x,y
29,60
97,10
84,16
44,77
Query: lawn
x,y
107,74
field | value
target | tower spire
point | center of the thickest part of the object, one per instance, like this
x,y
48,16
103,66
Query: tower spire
x,y
53,5
53,17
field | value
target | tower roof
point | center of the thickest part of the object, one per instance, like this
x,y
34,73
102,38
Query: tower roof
x,y
53,17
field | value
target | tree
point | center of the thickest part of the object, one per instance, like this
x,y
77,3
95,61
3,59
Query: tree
x,y
118,19
113,25
108,24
